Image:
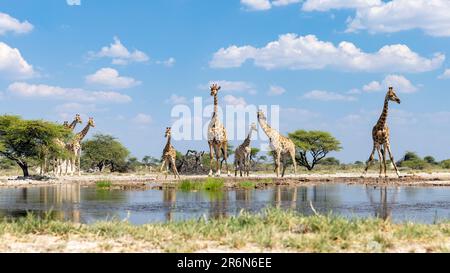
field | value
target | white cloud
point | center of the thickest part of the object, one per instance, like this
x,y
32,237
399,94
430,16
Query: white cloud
x,y
372,86
26,90
399,82
445,75
109,77
120,54
169,62
326,5
276,90
235,101
13,64
73,2
307,52
327,96
142,119
354,91
255,5
432,17
232,86
175,99
11,24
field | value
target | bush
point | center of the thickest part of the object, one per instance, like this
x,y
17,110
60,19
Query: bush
x,y
445,164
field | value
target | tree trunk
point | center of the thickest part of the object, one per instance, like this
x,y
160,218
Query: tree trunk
x,y
24,167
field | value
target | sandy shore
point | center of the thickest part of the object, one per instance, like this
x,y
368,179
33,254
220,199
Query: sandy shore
x,y
156,181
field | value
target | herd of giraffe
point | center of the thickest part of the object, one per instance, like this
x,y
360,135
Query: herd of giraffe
x,y
282,147
72,163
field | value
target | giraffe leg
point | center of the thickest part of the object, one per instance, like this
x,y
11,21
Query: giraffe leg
x,y
380,157
247,162
292,153
388,148
218,163
225,157
167,169
284,165
174,168
371,157
210,158
383,152
277,162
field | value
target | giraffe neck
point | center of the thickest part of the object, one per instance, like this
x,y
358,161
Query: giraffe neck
x,y
382,120
73,125
83,133
267,129
169,138
216,105
248,139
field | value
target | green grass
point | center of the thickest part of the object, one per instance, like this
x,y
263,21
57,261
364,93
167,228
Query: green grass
x,y
209,184
271,229
247,185
103,184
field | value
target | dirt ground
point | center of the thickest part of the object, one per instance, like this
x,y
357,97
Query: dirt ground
x,y
156,181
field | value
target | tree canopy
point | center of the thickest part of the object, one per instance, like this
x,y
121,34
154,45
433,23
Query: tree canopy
x,y
104,151
28,141
313,146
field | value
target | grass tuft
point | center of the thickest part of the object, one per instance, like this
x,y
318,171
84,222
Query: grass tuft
x,y
103,184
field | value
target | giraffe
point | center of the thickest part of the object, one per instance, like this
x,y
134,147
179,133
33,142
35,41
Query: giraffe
x,y
74,147
242,154
380,136
281,145
169,155
217,137
57,164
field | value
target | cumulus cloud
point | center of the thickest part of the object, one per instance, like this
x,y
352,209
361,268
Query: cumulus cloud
x,y
175,99
235,101
73,2
327,96
109,77
26,90
255,5
276,90
445,75
399,82
120,54
142,119
168,63
11,24
326,5
12,64
308,52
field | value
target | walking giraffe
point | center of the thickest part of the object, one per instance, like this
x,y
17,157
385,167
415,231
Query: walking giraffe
x,y
380,136
74,148
242,154
169,155
217,137
281,145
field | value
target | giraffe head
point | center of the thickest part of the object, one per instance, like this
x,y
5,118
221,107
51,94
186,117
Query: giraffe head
x,y
66,124
392,96
260,115
253,127
168,132
78,118
214,89
91,122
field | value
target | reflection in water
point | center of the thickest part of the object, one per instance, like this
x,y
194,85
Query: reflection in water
x,y
88,204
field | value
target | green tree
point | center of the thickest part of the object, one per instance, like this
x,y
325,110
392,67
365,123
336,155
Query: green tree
x,y
29,141
430,160
413,161
445,164
103,151
150,161
313,146
330,161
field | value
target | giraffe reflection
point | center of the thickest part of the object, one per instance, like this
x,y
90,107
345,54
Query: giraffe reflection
x,y
382,208
169,199
62,196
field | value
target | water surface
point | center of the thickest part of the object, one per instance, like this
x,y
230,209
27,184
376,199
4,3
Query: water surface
x,y
89,204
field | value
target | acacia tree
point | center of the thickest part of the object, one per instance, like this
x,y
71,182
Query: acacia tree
x,y
313,146
28,141
103,151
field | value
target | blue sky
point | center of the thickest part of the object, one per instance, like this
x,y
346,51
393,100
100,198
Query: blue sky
x,y
326,63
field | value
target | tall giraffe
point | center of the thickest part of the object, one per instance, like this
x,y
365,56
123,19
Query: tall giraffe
x,y
74,147
380,136
169,155
281,145
217,137
242,154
